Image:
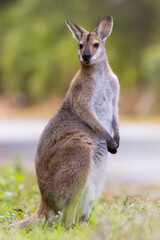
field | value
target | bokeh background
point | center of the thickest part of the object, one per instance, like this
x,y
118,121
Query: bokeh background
x,y
38,59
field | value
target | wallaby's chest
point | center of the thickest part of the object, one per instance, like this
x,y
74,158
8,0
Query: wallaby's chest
x,y
102,101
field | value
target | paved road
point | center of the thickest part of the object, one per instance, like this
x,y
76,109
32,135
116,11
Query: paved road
x,y
137,161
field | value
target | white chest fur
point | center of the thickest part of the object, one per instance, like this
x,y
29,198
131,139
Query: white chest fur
x,y
102,100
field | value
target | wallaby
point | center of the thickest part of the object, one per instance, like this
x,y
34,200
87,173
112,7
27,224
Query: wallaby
x,y
71,158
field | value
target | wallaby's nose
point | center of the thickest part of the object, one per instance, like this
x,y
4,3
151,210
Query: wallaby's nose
x,y
86,57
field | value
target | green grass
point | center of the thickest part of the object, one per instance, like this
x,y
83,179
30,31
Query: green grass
x,y
116,216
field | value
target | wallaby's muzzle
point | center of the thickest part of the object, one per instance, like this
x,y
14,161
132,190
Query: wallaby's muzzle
x,y
86,58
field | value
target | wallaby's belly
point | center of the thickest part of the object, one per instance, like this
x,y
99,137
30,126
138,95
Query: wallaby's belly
x,y
96,177
98,169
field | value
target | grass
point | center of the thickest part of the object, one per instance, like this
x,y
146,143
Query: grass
x,y
123,212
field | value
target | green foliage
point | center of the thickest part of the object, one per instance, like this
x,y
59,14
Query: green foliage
x,y
129,218
151,63
13,193
39,56
31,51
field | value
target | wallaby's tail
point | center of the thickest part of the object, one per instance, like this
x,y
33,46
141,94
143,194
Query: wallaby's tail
x,y
42,214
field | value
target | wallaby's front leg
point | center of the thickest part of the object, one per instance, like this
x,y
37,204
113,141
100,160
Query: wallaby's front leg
x,y
88,116
115,125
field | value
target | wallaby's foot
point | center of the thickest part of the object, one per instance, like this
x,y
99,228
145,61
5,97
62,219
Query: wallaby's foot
x,y
25,222
42,214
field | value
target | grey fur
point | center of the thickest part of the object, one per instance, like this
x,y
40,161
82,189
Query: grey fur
x,y
71,158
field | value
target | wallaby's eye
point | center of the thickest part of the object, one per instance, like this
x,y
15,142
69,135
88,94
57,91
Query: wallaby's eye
x,y
96,45
80,46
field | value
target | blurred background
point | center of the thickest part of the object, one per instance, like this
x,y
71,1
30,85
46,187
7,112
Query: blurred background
x,y
38,59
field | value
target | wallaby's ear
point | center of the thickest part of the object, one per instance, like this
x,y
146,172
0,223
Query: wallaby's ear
x,y
104,27
77,31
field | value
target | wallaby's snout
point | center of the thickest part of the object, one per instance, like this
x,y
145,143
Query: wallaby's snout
x,y
86,57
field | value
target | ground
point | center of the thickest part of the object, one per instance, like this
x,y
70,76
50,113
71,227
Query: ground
x,y
123,212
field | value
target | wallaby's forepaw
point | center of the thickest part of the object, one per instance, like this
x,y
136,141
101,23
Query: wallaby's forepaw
x,y
112,150
112,147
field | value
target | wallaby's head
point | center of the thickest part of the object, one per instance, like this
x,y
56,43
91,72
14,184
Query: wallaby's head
x,y
91,49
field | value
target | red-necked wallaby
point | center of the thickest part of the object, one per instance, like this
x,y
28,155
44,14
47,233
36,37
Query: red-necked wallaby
x,y
71,158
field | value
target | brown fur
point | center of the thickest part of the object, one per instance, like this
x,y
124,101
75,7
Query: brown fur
x,y
75,141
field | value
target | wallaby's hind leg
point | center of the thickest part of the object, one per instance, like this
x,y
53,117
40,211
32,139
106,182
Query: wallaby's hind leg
x,y
68,173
